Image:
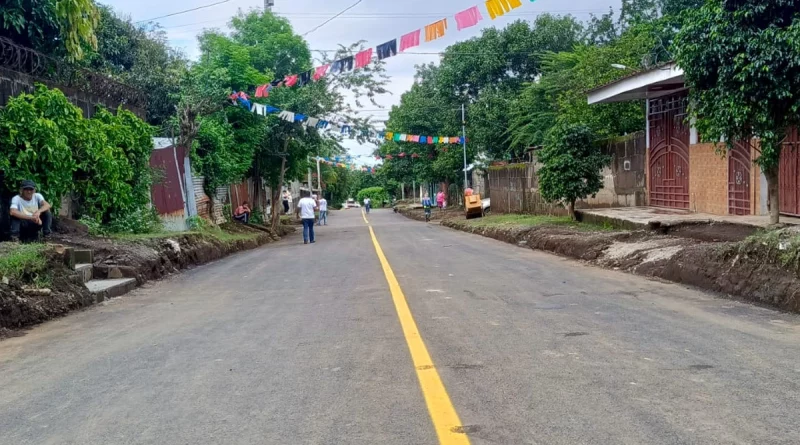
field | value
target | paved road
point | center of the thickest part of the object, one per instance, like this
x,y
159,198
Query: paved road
x,y
294,344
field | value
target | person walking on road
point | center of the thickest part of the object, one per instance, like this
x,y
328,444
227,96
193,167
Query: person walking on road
x,y
427,203
305,210
367,204
323,211
287,199
440,200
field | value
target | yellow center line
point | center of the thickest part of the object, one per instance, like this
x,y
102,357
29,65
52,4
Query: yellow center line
x,y
364,215
443,414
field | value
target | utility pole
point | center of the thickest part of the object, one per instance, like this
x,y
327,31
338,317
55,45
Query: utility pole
x,y
268,4
310,184
319,179
464,143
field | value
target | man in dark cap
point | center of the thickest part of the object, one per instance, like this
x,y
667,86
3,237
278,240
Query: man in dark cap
x,y
30,213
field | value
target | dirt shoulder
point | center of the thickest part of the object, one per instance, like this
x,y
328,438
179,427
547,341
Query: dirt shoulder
x,y
39,285
762,268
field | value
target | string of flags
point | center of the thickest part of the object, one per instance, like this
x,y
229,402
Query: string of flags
x,y
436,30
243,100
421,139
335,162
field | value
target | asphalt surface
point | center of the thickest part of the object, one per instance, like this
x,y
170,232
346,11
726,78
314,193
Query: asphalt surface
x,y
295,344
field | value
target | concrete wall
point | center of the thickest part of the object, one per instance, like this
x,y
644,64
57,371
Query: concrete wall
x,y
13,84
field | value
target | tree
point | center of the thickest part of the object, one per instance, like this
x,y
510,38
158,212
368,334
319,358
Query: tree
x,y
571,164
260,48
142,58
55,27
741,60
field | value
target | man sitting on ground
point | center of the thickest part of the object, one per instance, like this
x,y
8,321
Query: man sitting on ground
x,y
242,213
30,213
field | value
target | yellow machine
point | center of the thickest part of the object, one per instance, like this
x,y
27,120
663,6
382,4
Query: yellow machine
x,y
472,206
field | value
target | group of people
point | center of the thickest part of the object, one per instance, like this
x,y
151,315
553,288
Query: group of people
x,y
427,203
305,211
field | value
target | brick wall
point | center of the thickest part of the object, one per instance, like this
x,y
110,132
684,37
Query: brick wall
x,y
708,180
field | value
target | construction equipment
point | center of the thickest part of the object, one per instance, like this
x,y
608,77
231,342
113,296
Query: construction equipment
x,y
473,207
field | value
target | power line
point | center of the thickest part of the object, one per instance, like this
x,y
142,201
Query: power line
x,y
388,16
183,12
333,18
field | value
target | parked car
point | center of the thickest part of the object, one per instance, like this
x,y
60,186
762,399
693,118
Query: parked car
x,y
486,206
351,204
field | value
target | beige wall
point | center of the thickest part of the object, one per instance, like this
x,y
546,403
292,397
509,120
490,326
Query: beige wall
x,y
708,180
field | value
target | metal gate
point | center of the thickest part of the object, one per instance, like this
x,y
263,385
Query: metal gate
x,y
790,174
739,162
669,152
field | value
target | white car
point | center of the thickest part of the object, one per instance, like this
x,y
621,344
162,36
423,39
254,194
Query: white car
x,y
351,204
486,205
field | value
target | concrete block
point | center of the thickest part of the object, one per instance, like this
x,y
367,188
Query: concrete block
x,y
105,289
85,272
84,256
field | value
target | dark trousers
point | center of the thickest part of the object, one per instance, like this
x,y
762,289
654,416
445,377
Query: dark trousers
x,y
285,207
244,217
28,229
308,229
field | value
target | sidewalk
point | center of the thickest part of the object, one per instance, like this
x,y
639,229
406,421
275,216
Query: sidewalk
x,y
652,217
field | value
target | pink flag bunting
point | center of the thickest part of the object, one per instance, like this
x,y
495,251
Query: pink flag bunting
x,y
321,71
410,40
290,81
363,58
468,18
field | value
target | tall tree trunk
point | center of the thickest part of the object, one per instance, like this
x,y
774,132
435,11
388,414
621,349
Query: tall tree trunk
x,y
571,208
276,195
773,189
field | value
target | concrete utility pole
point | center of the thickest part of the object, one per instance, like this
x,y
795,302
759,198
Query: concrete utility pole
x,y
268,4
464,143
319,178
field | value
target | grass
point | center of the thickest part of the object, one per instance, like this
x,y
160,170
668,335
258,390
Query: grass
x,y
515,220
212,232
25,262
780,246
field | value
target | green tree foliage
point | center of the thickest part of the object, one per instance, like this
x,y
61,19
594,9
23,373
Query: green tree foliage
x,y
377,195
141,58
33,142
104,161
742,64
56,27
487,73
571,164
229,142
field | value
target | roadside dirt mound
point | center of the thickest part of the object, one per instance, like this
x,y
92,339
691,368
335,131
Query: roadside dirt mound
x,y
744,271
436,214
21,306
142,259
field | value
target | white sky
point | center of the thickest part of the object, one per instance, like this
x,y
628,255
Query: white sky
x,y
375,21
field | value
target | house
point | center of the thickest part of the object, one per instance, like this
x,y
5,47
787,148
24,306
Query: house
x,y
681,172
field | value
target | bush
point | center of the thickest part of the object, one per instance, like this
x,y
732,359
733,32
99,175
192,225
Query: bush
x,y
198,224
134,223
104,161
377,194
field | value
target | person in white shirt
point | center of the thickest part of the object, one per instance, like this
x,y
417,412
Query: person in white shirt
x,y
287,201
323,211
367,205
305,211
30,213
